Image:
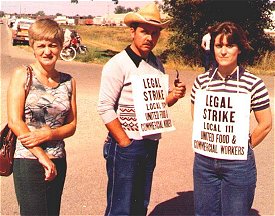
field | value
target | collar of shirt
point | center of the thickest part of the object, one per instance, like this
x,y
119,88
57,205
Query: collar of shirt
x,y
137,59
231,77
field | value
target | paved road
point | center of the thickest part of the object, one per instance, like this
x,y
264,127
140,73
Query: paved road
x,y
85,186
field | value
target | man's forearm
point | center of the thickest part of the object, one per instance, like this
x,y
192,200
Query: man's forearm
x,y
118,132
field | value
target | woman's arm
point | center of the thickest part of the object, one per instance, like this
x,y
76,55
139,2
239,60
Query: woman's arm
x,y
44,134
192,111
16,105
264,119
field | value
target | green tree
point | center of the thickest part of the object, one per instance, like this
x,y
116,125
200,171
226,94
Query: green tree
x,y
136,9
121,9
129,10
192,17
40,13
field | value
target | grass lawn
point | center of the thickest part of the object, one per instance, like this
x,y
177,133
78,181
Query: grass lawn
x,y
103,42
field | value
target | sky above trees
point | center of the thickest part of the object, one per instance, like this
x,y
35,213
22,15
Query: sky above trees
x,y
65,7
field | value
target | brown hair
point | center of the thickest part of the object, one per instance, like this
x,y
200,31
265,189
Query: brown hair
x,y
134,25
46,29
234,35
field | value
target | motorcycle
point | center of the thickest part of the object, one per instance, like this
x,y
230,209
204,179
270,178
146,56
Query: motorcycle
x,y
68,53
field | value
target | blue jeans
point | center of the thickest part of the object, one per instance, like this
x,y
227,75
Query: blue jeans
x,y
36,196
206,62
209,60
130,172
224,187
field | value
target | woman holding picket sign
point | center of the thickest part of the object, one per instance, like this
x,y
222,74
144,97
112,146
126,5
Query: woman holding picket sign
x,y
222,99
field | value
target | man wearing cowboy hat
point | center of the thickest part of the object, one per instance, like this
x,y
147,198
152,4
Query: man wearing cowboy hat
x,y
131,157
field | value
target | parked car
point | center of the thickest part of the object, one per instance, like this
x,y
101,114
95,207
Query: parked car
x,y
20,30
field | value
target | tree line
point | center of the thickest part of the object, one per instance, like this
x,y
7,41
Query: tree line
x,y
190,19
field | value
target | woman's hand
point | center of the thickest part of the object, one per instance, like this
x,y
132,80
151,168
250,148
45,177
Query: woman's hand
x,y
36,137
49,167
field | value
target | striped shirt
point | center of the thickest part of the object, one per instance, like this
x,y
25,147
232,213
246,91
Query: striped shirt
x,y
245,83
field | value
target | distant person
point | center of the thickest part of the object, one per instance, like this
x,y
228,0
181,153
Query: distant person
x,y
224,169
67,37
41,122
76,40
130,157
205,44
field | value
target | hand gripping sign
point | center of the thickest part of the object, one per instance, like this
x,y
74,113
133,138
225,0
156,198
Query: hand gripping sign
x,y
150,90
221,125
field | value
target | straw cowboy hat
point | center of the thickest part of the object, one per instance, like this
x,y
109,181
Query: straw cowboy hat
x,y
149,14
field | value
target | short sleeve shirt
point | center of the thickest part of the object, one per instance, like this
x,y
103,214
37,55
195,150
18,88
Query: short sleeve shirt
x,y
248,83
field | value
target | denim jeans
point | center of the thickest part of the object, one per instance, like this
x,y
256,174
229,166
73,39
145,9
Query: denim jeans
x,y
130,172
224,187
36,196
209,60
206,60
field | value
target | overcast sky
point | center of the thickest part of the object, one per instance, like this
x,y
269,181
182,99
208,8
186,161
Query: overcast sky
x,y
65,7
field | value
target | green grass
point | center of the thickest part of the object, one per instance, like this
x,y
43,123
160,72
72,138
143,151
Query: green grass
x,y
101,39
113,38
103,42
265,65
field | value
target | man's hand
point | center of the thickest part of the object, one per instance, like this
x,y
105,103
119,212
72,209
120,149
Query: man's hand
x,y
125,143
179,90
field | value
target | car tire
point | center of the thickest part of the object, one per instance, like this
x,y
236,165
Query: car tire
x,y
14,42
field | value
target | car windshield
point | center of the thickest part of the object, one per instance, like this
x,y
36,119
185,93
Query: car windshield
x,y
24,23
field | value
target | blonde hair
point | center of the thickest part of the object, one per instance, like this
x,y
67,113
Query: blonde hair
x,y
45,29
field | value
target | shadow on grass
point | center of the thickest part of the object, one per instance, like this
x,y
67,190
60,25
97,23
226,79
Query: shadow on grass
x,y
107,53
